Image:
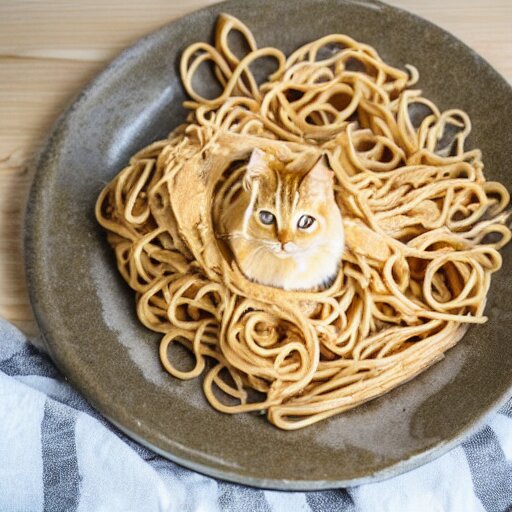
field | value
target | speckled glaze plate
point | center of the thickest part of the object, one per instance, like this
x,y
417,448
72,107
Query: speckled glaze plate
x,y
87,314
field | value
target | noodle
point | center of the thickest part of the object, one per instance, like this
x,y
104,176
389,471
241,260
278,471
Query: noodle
x,y
423,228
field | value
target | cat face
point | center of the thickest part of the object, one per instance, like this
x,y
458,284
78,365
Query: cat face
x,y
290,211
285,229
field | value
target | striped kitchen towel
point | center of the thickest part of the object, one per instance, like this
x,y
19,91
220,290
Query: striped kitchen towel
x,y
58,454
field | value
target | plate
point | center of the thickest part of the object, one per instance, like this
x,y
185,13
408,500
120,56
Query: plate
x,y
87,313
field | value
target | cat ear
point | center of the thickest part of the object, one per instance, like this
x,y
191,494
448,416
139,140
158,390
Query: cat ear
x,y
319,176
256,166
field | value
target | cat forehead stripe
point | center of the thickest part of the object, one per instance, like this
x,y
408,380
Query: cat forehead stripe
x,y
296,199
288,191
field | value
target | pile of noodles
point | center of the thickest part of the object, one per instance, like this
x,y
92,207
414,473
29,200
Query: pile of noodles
x,y
422,225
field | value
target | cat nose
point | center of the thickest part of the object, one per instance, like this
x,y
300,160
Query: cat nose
x,y
285,237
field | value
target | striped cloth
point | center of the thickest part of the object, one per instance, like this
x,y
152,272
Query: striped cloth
x,y
58,454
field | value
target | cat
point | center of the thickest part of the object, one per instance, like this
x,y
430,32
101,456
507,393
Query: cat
x,y
285,229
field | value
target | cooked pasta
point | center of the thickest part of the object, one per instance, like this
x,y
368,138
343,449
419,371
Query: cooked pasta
x,y
423,229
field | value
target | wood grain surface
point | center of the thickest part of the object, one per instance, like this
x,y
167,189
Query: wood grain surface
x,y
50,49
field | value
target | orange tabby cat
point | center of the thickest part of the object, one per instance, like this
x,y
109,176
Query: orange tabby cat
x,y
285,228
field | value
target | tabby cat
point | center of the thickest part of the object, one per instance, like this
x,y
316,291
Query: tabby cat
x,y
285,228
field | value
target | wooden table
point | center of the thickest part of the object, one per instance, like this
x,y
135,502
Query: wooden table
x,y
50,49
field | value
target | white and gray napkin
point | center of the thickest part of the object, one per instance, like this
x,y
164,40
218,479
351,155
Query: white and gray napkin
x,y
58,454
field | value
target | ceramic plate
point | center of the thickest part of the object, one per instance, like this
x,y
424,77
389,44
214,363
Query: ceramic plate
x,y
87,313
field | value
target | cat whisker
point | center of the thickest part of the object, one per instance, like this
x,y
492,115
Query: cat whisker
x,y
224,236
251,259
239,235
231,236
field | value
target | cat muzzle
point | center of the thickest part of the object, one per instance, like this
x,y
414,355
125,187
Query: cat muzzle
x,y
289,247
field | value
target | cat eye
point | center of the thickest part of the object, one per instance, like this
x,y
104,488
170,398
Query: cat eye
x,y
305,222
266,217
